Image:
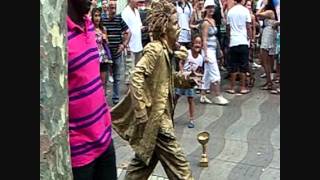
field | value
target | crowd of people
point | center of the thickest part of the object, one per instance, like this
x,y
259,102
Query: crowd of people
x,y
236,38
219,36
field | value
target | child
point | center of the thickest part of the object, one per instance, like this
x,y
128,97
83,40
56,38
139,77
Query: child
x,y
102,42
192,64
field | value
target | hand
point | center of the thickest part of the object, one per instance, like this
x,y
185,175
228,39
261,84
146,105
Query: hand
x,y
196,80
104,36
121,48
206,59
178,45
94,3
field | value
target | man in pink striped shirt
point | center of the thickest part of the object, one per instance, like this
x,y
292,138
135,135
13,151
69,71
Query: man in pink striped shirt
x,y
92,151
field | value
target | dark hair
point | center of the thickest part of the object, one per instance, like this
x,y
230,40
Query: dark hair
x,y
270,6
252,4
195,35
94,10
238,1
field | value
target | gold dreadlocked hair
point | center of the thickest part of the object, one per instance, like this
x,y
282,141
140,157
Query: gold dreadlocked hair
x,y
159,17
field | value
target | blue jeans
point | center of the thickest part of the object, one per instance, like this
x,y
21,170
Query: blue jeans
x,y
116,66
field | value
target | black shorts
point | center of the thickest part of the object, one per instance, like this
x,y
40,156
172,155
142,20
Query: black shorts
x,y
103,67
239,59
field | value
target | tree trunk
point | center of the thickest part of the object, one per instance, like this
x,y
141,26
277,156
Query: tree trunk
x,y
55,161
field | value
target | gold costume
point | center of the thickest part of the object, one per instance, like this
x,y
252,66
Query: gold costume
x,y
145,116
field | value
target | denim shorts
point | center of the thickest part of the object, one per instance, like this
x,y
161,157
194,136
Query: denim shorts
x,y
185,92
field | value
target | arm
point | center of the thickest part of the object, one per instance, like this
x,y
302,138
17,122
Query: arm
x,y
105,35
126,37
205,27
192,20
126,33
253,22
222,13
265,15
249,32
248,26
181,64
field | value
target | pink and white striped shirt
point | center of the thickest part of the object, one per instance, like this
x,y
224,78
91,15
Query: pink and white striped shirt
x,y
89,116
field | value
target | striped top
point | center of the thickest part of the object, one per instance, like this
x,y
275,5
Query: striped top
x,y
115,27
89,116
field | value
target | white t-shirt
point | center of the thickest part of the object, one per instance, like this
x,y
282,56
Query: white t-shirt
x,y
134,23
184,16
193,63
237,18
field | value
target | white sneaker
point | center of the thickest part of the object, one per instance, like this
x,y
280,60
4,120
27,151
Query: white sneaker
x,y
263,75
204,99
110,79
255,65
220,100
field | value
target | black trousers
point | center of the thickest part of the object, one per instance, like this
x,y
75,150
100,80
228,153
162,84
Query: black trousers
x,y
103,168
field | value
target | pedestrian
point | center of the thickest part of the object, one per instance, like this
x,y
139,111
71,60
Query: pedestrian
x,y
118,38
197,18
145,116
104,13
193,63
249,5
184,9
102,42
90,129
144,10
239,31
131,16
268,40
211,77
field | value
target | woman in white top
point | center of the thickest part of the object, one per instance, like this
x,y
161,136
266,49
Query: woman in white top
x,y
184,10
211,78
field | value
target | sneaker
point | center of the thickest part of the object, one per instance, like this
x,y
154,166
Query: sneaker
x,y
191,124
255,65
110,79
204,99
263,75
223,69
220,100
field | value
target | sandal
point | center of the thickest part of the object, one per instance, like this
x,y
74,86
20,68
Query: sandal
x,y
268,86
244,91
252,81
230,91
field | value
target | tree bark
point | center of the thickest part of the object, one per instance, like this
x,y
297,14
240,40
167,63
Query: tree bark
x,y
55,161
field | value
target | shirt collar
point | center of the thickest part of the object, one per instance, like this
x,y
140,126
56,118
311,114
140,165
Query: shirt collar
x,y
73,26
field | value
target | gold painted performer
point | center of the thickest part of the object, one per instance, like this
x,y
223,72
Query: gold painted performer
x,y
145,116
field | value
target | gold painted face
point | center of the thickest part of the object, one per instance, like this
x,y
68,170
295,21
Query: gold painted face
x,y
173,29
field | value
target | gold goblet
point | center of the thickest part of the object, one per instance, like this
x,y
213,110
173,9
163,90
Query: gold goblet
x,y
203,139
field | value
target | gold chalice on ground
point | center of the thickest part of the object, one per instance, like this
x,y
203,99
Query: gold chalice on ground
x,y
203,139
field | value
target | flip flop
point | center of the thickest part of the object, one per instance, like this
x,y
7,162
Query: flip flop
x,y
267,87
231,91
